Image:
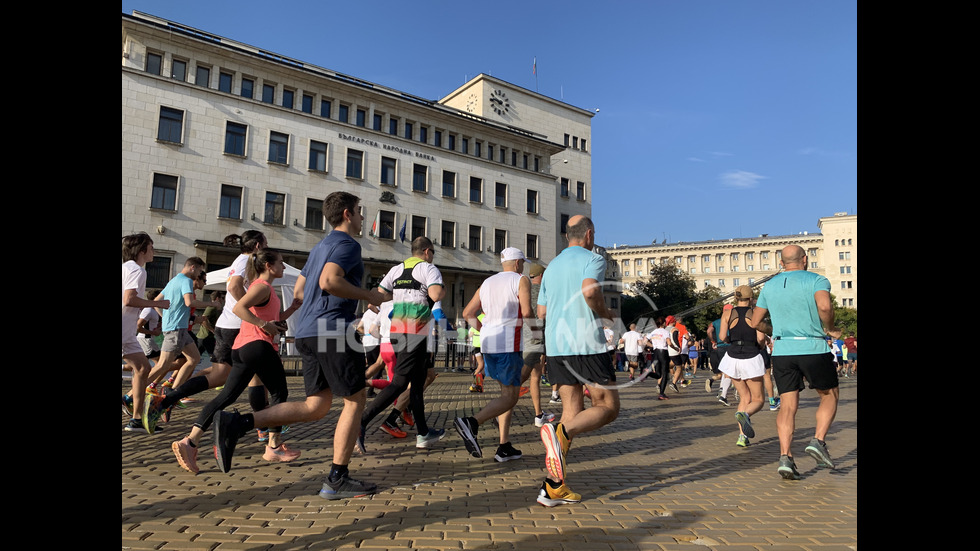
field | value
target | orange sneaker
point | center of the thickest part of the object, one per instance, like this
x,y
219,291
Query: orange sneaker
x,y
393,430
280,454
524,390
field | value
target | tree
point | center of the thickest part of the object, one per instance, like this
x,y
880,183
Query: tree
x,y
846,319
665,292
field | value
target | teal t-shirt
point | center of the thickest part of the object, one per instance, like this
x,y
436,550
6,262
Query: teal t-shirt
x,y
179,314
796,325
571,328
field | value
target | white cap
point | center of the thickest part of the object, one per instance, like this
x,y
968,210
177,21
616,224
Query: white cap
x,y
511,253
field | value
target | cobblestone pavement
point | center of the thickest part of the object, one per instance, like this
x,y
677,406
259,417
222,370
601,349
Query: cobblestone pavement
x,y
664,475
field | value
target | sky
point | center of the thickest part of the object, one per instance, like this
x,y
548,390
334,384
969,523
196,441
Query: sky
x,y
717,118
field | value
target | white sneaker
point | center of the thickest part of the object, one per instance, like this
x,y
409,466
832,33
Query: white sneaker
x,y
540,420
555,400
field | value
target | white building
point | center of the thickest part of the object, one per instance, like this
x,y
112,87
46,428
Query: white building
x,y
220,137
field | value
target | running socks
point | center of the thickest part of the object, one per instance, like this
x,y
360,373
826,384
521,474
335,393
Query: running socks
x,y
336,472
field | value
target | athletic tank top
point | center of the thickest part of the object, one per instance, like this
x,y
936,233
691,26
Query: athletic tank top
x,y
743,340
268,312
501,331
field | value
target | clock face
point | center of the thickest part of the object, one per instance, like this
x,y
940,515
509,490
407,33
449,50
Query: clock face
x,y
472,102
499,102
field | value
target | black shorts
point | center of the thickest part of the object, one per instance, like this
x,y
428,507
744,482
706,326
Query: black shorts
x,y
335,366
680,359
371,354
224,338
714,358
594,368
789,372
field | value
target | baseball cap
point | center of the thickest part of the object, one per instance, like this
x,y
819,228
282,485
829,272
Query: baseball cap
x,y
536,270
670,319
511,253
743,292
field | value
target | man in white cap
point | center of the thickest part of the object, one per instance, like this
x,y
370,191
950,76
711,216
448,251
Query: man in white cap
x,y
505,299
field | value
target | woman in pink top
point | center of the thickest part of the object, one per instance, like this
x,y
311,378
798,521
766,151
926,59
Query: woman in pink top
x,y
255,352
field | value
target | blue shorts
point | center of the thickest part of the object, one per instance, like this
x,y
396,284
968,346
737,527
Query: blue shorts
x,y
505,368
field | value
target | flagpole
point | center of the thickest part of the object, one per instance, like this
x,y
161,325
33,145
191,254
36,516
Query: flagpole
x,y
534,69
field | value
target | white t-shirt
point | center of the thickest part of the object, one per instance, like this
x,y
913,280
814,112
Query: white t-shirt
x,y
501,331
367,320
658,338
632,340
147,342
671,351
686,343
228,319
133,277
610,343
410,310
384,321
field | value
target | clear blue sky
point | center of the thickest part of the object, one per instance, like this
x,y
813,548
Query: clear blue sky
x,y
718,118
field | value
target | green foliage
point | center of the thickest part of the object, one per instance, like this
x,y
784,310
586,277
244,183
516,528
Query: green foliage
x,y
665,292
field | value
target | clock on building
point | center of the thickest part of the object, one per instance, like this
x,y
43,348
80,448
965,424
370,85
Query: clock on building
x,y
499,102
472,102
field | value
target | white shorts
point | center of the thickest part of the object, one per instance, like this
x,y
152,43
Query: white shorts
x,y
749,368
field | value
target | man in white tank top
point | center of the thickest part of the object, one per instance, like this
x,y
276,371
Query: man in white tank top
x,y
505,299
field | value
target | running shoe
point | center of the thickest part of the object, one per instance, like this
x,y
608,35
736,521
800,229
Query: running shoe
x,y
550,497
347,488
476,388
744,423
555,400
408,418
506,452
524,390
555,453
359,443
544,382
152,412
467,428
433,436
540,420
707,384
663,397
743,441
673,387
685,383
787,468
263,435
186,454
225,437
818,450
281,454
773,404
169,383
393,430
134,425
127,405
723,400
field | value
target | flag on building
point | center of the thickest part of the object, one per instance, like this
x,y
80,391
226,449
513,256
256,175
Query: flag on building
x,y
376,226
401,234
534,66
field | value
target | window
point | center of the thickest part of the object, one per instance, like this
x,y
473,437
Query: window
x,y
845,269
408,130
500,195
451,143
513,158
575,142
476,234
393,127
388,171
318,156
735,282
314,214
532,201
476,190
531,250
448,234
230,203
639,273
844,255
307,105
765,254
566,140
420,178
325,108
564,187
750,267
499,240
248,88
164,195
580,191
721,269
179,70
490,152
387,229
275,208
448,184
203,76
583,145
437,138
378,120
503,154
278,147
537,163
171,125
418,226
235,138
355,163
343,115
811,252
154,63
224,82
464,144
524,164
478,149
564,227
721,282
360,118
158,272
749,256
423,134
268,93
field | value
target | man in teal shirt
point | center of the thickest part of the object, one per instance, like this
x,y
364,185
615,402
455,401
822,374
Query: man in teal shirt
x,y
802,315
572,307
